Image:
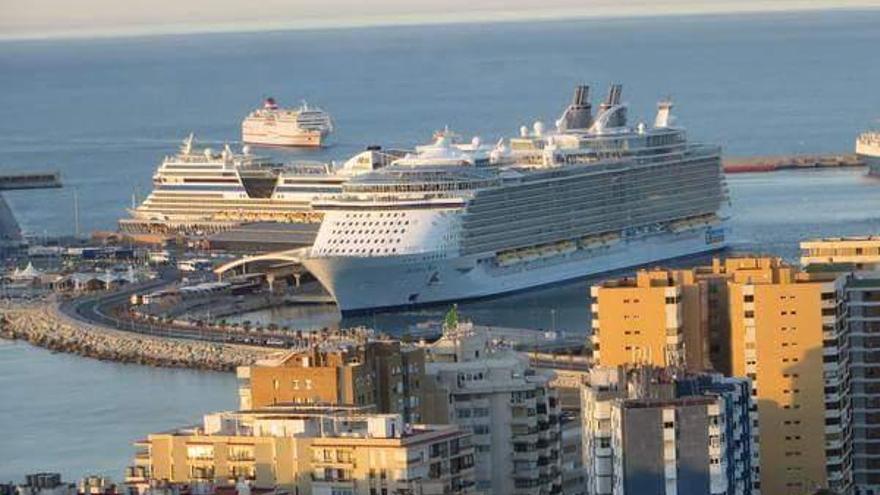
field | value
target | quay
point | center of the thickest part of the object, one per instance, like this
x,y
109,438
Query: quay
x,y
738,165
43,325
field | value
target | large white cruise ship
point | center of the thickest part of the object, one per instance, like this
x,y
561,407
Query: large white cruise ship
x,y
274,126
453,222
202,191
868,149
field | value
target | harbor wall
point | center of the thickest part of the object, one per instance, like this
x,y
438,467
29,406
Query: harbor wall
x,y
43,325
735,165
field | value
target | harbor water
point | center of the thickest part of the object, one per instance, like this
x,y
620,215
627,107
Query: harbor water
x,y
104,112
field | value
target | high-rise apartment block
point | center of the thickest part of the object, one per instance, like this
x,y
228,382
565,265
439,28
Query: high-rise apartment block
x,y
693,331
511,409
660,431
854,257
782,328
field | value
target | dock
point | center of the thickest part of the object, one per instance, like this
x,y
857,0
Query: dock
x,y
738,165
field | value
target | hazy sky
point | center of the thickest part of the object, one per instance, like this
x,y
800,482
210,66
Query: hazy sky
x,y
64,18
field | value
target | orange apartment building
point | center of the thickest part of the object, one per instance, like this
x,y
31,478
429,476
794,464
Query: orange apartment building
x,y
384,374
783,328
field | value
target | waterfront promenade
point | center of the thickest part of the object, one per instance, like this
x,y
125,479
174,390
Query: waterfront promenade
x,y
42,324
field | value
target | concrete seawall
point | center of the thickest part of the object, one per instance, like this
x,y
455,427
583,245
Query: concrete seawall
x,y
736,165
43,325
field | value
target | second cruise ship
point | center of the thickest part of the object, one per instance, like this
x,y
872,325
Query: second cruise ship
x,y
454,221
868,150
200,191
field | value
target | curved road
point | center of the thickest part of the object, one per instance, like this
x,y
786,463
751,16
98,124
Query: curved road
x,y
99,310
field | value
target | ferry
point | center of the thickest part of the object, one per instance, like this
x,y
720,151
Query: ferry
x,y
271,125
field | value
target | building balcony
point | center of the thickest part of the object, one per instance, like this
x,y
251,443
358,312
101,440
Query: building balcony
x,y
531,437
524,420
531,455
333,482
137,473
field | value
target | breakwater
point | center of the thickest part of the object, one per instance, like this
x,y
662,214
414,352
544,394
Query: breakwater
x,y
41,324
736,165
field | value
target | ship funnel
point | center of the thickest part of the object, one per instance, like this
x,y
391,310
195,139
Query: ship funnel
x,y
612,100
664,114
578,115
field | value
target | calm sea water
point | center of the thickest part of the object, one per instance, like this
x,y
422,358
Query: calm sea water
x,y
78,416
105,112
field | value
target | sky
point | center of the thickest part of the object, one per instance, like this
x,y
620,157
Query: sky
x,y
38,19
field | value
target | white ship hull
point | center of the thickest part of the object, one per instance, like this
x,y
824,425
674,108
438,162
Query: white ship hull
x,y
294,139
364,283
869,152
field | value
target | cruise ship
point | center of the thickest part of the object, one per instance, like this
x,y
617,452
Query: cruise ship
x,y
454,221
202,191
868,150
273,126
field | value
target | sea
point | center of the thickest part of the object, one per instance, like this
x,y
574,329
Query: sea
x,y
104,112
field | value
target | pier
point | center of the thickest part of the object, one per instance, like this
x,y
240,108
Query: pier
x,y
738,165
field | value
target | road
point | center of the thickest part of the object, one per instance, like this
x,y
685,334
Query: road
x,y
100,310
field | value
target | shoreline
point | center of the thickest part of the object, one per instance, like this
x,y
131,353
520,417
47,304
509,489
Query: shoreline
x,y
41,324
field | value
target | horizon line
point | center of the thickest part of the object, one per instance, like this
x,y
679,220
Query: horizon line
x,y
428,19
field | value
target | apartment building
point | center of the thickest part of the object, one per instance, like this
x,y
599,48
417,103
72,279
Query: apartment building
x,y
660,318
512,411
650,430
311,450
861,309
384,374
846,253
786,331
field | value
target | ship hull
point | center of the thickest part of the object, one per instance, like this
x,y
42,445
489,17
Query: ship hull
x,y
298,140
360,284
873,164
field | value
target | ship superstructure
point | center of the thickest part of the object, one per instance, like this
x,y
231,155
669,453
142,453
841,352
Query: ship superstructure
x,y
274,126
868,150
203,191
453,221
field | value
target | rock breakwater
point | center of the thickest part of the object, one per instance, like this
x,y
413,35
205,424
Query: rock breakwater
x,y
43,325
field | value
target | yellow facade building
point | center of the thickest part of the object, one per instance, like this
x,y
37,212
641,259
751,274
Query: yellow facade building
x,y
659,318
860,253
765,320
310,450
384,374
